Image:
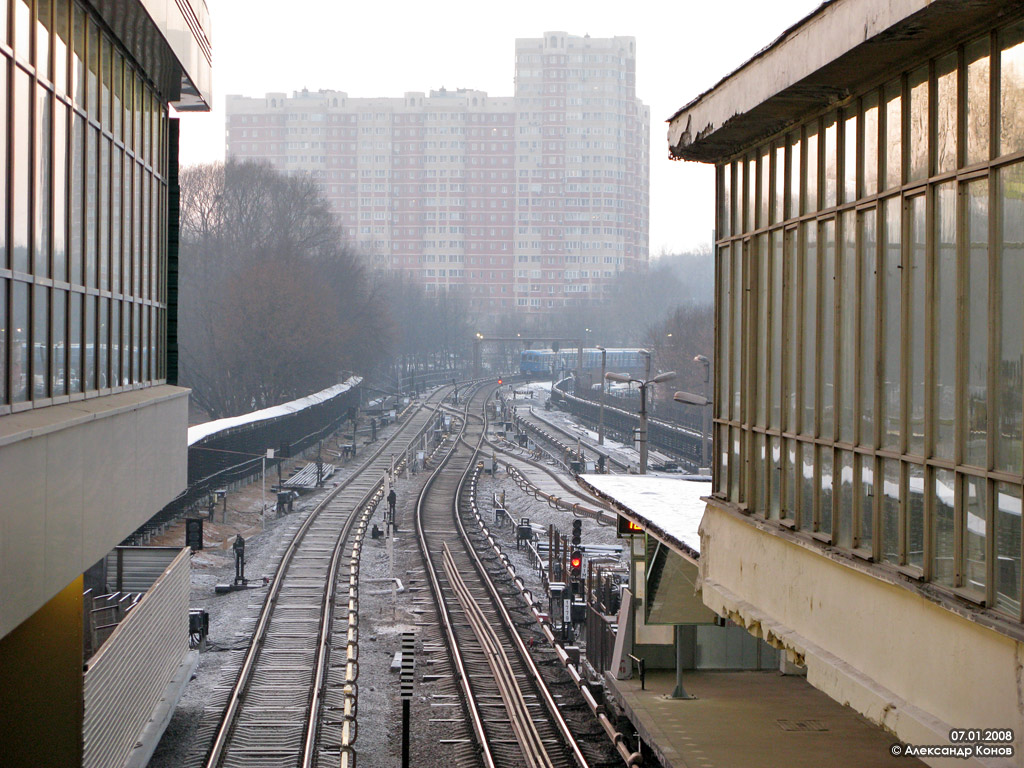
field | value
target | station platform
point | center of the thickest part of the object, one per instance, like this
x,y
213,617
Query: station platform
x,y
750,719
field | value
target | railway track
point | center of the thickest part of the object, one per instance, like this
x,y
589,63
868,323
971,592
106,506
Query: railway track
x,y
287,686
514,719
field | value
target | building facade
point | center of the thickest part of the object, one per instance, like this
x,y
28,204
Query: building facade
x,y
528,203
866,513
92,430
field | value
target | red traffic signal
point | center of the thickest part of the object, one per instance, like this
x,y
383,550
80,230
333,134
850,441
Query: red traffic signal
x,y
576,562
499,382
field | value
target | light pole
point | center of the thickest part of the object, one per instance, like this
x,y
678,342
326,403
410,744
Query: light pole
x,y
688,399
600,423
625,378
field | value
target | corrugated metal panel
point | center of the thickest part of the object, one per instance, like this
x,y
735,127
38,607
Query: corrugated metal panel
x,y
124,681
140,567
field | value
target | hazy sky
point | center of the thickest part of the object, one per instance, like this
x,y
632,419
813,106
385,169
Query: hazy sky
x,y
374,48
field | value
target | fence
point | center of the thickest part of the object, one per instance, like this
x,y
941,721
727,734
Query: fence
x,y
124,680
236,452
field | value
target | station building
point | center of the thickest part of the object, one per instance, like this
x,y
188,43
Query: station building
x,y
866,507
92,428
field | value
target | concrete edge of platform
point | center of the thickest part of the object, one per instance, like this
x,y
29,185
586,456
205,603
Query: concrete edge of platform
x,y
162,713
652,737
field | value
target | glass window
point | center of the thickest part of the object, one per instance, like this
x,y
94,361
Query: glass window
x,y
116,222
811,172
846,327
825,511
4,334
722,469
1011,89
44,149
890,528
736,325
850,157
60,191
844,502
761,334
76,214
58,341
43,27
759,495
893,94
78,68
774,478
791,312
1009,261
866,499
93,53
104,214
891,324
915,339
1008,548
945,113
22,176
917,115
809,347
20,363
944,330
22,28
764,188
115,343
734,461
91,202
75,379
750,190
789,472
827,344
977,101
807,487
975,324
89,367
869,156
974,532
724,334
830,168
775,365
793,207
779,177
40,343
724,200
866,250
3,165
944,530
103,342
105,82
62,43
915,515
117,92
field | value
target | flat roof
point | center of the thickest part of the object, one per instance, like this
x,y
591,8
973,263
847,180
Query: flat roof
x,y
668,508
842,48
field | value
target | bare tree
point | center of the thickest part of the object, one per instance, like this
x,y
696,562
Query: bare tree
x,y
273,304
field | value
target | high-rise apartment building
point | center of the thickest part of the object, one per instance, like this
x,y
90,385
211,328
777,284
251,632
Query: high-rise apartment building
x,y
529,203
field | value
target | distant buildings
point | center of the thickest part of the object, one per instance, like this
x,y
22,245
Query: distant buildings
x,y
866,514
530,202
92,430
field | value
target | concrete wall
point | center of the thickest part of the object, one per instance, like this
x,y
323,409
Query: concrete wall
x,y
78,478
905,663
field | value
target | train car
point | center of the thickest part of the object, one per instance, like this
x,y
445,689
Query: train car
x,y
622,360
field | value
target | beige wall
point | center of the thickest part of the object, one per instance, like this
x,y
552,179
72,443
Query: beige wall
x,y
904,662
75,479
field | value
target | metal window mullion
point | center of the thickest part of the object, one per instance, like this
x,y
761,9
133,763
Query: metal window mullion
x,y
930,340
748,363
858,310
904,342
992,386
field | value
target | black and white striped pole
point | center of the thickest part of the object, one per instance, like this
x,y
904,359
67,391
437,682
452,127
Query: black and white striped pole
x,y
408,671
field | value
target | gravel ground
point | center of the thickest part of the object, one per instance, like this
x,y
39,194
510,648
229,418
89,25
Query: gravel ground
x,y
382,618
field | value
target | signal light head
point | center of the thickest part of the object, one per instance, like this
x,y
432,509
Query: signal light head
x,y
499,382
576,561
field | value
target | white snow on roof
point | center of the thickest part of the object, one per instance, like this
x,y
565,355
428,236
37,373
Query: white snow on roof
x,y
669,508
199,431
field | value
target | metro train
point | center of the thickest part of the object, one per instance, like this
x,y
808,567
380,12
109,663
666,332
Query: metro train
x,y
540,361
